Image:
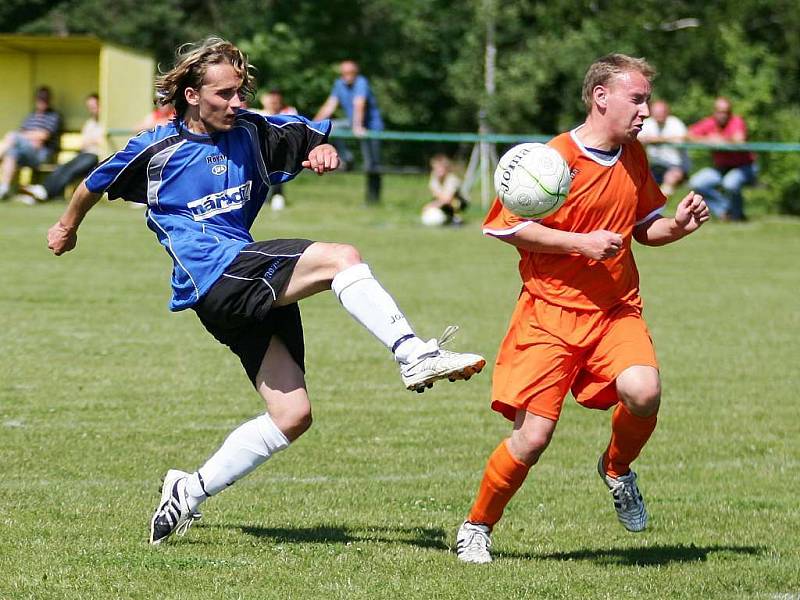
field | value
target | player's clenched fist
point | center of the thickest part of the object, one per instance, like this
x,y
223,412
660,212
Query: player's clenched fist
x,y
691,212
61,239
600,244
322,158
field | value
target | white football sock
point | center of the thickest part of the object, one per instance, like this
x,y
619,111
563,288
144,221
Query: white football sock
x,y
247,446
372,306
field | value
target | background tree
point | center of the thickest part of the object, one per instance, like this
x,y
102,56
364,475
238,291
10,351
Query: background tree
x,y
425,59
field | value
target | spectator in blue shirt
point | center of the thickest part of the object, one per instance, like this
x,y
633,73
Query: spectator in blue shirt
x,y
35,142
353,93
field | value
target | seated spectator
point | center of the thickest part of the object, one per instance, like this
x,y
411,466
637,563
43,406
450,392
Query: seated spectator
x,y
272,103
669,165
160,115
35,142
447,204
721,185
93,146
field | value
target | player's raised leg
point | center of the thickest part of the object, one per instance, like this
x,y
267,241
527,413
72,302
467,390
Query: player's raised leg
x,y
339,267
632,423
505,473
280,381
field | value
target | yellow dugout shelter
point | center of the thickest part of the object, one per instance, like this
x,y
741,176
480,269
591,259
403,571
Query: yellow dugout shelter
x,y
74,67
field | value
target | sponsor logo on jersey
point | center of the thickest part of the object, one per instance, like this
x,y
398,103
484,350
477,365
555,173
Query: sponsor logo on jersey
x,y
219,169
216,158
221,202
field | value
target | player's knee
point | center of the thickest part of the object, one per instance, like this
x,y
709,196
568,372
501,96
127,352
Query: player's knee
x,y
643,397
344,256
529,446
303,423
295,424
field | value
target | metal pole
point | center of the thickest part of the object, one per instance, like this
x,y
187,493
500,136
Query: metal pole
x,y
486,150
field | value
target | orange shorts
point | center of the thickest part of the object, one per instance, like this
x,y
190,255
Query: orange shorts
x,y
550,349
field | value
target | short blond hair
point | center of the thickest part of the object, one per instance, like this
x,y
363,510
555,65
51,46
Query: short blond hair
x,y
604,69
191,64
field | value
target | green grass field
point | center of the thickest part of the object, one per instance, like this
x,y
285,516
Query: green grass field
x,y
102,390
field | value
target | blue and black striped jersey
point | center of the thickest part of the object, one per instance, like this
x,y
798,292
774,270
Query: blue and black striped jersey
x,y
203,192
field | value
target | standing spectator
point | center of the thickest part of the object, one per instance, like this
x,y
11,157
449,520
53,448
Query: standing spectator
x,y
352,91
93,146
35,142
578,321
447,203
669,165
732,170
272,104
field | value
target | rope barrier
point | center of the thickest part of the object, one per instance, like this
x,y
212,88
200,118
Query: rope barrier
x,y
502,138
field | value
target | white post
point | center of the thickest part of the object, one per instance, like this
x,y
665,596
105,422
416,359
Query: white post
x,y
487,152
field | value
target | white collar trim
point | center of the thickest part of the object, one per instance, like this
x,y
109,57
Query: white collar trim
x,y
606,162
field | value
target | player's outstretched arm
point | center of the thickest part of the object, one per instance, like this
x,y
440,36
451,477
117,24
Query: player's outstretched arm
x,y
322,158
535,237
63,236
690,215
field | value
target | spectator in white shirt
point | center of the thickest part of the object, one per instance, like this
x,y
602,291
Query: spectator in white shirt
x,y
669,164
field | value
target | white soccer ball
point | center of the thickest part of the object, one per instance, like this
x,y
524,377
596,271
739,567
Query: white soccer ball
x,y
532,180
433,217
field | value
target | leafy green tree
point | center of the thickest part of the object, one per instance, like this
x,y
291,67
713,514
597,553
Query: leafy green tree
x,y
425,59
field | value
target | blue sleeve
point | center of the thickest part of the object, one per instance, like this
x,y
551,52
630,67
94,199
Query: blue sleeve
x,y
336,90
360,87
124,174
286,141
290,140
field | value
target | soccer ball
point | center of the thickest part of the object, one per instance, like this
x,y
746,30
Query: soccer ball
x,y
433,217
532,180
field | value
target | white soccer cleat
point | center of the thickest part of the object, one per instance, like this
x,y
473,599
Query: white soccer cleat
x,y
628,501
473,543
434,363
172,514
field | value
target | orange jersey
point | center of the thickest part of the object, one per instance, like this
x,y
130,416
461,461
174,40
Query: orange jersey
x,y
615,194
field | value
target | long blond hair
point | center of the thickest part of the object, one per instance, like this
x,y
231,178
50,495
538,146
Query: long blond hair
x,y
191,63
607,67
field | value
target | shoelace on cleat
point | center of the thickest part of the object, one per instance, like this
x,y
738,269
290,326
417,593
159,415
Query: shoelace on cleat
x,y
184,527
626,493
477,540
172,510
447,335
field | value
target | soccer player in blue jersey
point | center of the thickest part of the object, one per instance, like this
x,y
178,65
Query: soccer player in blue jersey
x,y
203,178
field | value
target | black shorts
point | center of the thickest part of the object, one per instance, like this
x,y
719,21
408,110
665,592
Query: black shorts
x,y
238,310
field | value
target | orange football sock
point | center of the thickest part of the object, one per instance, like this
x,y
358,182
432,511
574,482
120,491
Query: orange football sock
x,y
503,476
629,434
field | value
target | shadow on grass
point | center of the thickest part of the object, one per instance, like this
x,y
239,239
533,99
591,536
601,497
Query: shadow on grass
x,y
640,556
422,537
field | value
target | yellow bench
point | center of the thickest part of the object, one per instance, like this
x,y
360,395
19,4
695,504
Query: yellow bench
x,y
70,146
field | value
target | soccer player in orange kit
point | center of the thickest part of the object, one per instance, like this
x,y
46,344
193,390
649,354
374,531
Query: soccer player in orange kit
x,y
578,322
